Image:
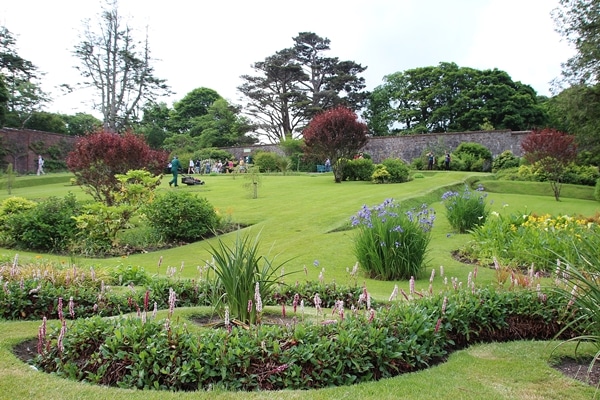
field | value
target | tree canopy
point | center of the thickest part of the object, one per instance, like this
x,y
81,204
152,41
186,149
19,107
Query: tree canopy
x,y
335,134
100,156
576,109
449,98
21,80
118,67
579,23
551,151
293,85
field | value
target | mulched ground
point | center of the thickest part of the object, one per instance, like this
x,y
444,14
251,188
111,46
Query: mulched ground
x,y
578,369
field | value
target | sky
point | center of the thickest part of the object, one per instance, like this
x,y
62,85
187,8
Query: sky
x,y
212,43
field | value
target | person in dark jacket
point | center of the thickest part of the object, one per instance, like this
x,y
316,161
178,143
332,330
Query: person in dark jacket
x,y
175,165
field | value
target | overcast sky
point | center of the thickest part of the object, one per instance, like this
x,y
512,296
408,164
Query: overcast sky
x,y
211,45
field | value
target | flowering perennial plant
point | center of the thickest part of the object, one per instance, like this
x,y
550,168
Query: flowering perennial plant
x,y
391,244
522,239
465,210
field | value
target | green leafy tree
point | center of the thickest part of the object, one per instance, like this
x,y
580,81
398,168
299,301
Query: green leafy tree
x,y
330,82
295,84
552,151
274,100
335,134
99,157
576,109
193,105
222,126
21,79
448,98
579,23
118,67
3,101
155,124
81,124
46,122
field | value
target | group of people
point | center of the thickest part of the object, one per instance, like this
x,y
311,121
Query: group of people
x,y
431,161
199,167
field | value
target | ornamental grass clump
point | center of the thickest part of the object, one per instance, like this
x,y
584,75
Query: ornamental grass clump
x,y
391,243
245,277
465,210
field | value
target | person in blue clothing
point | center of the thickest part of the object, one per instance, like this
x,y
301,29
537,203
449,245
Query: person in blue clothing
x,y
175,165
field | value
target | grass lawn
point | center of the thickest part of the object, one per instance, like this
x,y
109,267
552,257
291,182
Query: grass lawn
x,y
301,218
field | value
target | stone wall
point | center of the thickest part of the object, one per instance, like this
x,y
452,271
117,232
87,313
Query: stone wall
x,y
22,147
410,147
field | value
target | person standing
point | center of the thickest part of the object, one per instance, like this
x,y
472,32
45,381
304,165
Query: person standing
x,y
430,160
191,167
40,169
327,165
447,161
175,165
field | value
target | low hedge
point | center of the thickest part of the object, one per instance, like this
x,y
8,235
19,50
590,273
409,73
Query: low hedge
x,y
362,345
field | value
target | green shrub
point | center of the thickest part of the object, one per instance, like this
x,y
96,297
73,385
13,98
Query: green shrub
x,y
126,275
475,157
418,164
398,170
47,227
391,243
597,190
179,215
581,174
505,160
270,162
381,174
465,210
97,228
9,207
359,169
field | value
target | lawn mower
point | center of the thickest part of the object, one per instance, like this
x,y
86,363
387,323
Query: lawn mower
x,y
190,180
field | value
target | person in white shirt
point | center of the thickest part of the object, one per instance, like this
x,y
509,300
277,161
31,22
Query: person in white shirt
x,y
40,169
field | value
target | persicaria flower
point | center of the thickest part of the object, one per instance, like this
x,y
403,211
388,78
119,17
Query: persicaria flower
x,y
60,308
42,336
432,276
317,302
172,300
371,315
146,300
295,301
394,294
411,285
61,336
257,298
71,308
227,325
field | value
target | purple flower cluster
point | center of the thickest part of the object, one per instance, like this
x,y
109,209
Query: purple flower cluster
x,y
389,209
